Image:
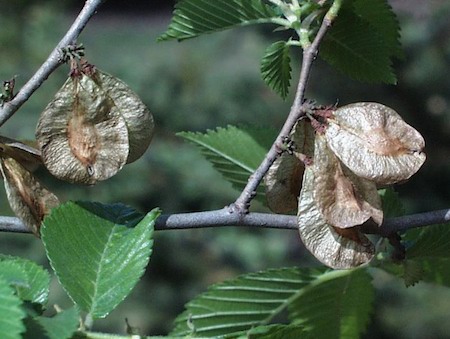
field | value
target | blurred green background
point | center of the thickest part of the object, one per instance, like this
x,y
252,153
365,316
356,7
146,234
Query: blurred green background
x,y
215,81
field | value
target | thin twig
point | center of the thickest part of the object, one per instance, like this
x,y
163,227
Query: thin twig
x,y
51,64
224,217
242,203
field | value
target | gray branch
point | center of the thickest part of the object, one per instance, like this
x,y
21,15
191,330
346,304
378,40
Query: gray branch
x,y
53,62
224,217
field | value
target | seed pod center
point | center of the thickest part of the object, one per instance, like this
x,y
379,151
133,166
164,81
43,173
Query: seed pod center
x,y
83,139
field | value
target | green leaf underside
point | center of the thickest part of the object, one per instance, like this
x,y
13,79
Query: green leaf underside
x,y
276,68
271,332
33,281
235,152
192,18
336,305
63,325
354,47
242,303
433,241
98,252
11,312
379,14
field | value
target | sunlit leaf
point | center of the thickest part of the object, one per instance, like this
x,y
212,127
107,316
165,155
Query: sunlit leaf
x,y
276,67
34,286
392,205
336,248
343,199
337,304
374,142
11,313
195,17
28,198
276,331
235,152
242,303
98,252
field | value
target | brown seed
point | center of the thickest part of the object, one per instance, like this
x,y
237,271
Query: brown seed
x,y
28,199
344,199
335,247
82,134
284,178
374,142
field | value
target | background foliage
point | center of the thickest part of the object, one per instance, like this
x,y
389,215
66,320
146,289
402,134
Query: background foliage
x,y
215,81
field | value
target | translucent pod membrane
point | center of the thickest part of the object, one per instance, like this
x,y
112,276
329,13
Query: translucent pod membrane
x,y
374,142
283,180
28,199
335,247
92,128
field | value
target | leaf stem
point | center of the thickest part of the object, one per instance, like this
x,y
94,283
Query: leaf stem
x,y
242,203
53,61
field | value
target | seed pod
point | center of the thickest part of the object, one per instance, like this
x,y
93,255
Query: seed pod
x,y
28,199
344,199
374,142
284,178
139,120
334,247
81,133
25,153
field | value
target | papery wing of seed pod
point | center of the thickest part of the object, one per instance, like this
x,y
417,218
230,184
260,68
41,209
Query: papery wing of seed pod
x,y
335,247
28,199
25,153
138,118
344,199
284,178
81,133
374,142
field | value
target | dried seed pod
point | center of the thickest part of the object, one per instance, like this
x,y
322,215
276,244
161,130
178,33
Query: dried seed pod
x,y
374,142
139,120
25,153
335,247
344,199
28,199
82,134
284,178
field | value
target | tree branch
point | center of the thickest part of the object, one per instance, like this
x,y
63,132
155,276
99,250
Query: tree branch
x,y
51,64
242,203
225,217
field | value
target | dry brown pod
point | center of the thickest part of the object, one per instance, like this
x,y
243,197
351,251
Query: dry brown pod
x,y
344,199
25,153
284,178
28,199
82,134
137,117
334,247
374,142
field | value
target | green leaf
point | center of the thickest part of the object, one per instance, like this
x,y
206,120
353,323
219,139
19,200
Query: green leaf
x,y
63,325
35,280
11,312
276,67
379,15
391,203
98,251
242,303
235,152
354,47
336,305
192,18
433,241
272,332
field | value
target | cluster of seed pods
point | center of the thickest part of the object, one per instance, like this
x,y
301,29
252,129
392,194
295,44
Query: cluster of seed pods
x,y
342,155
94,125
